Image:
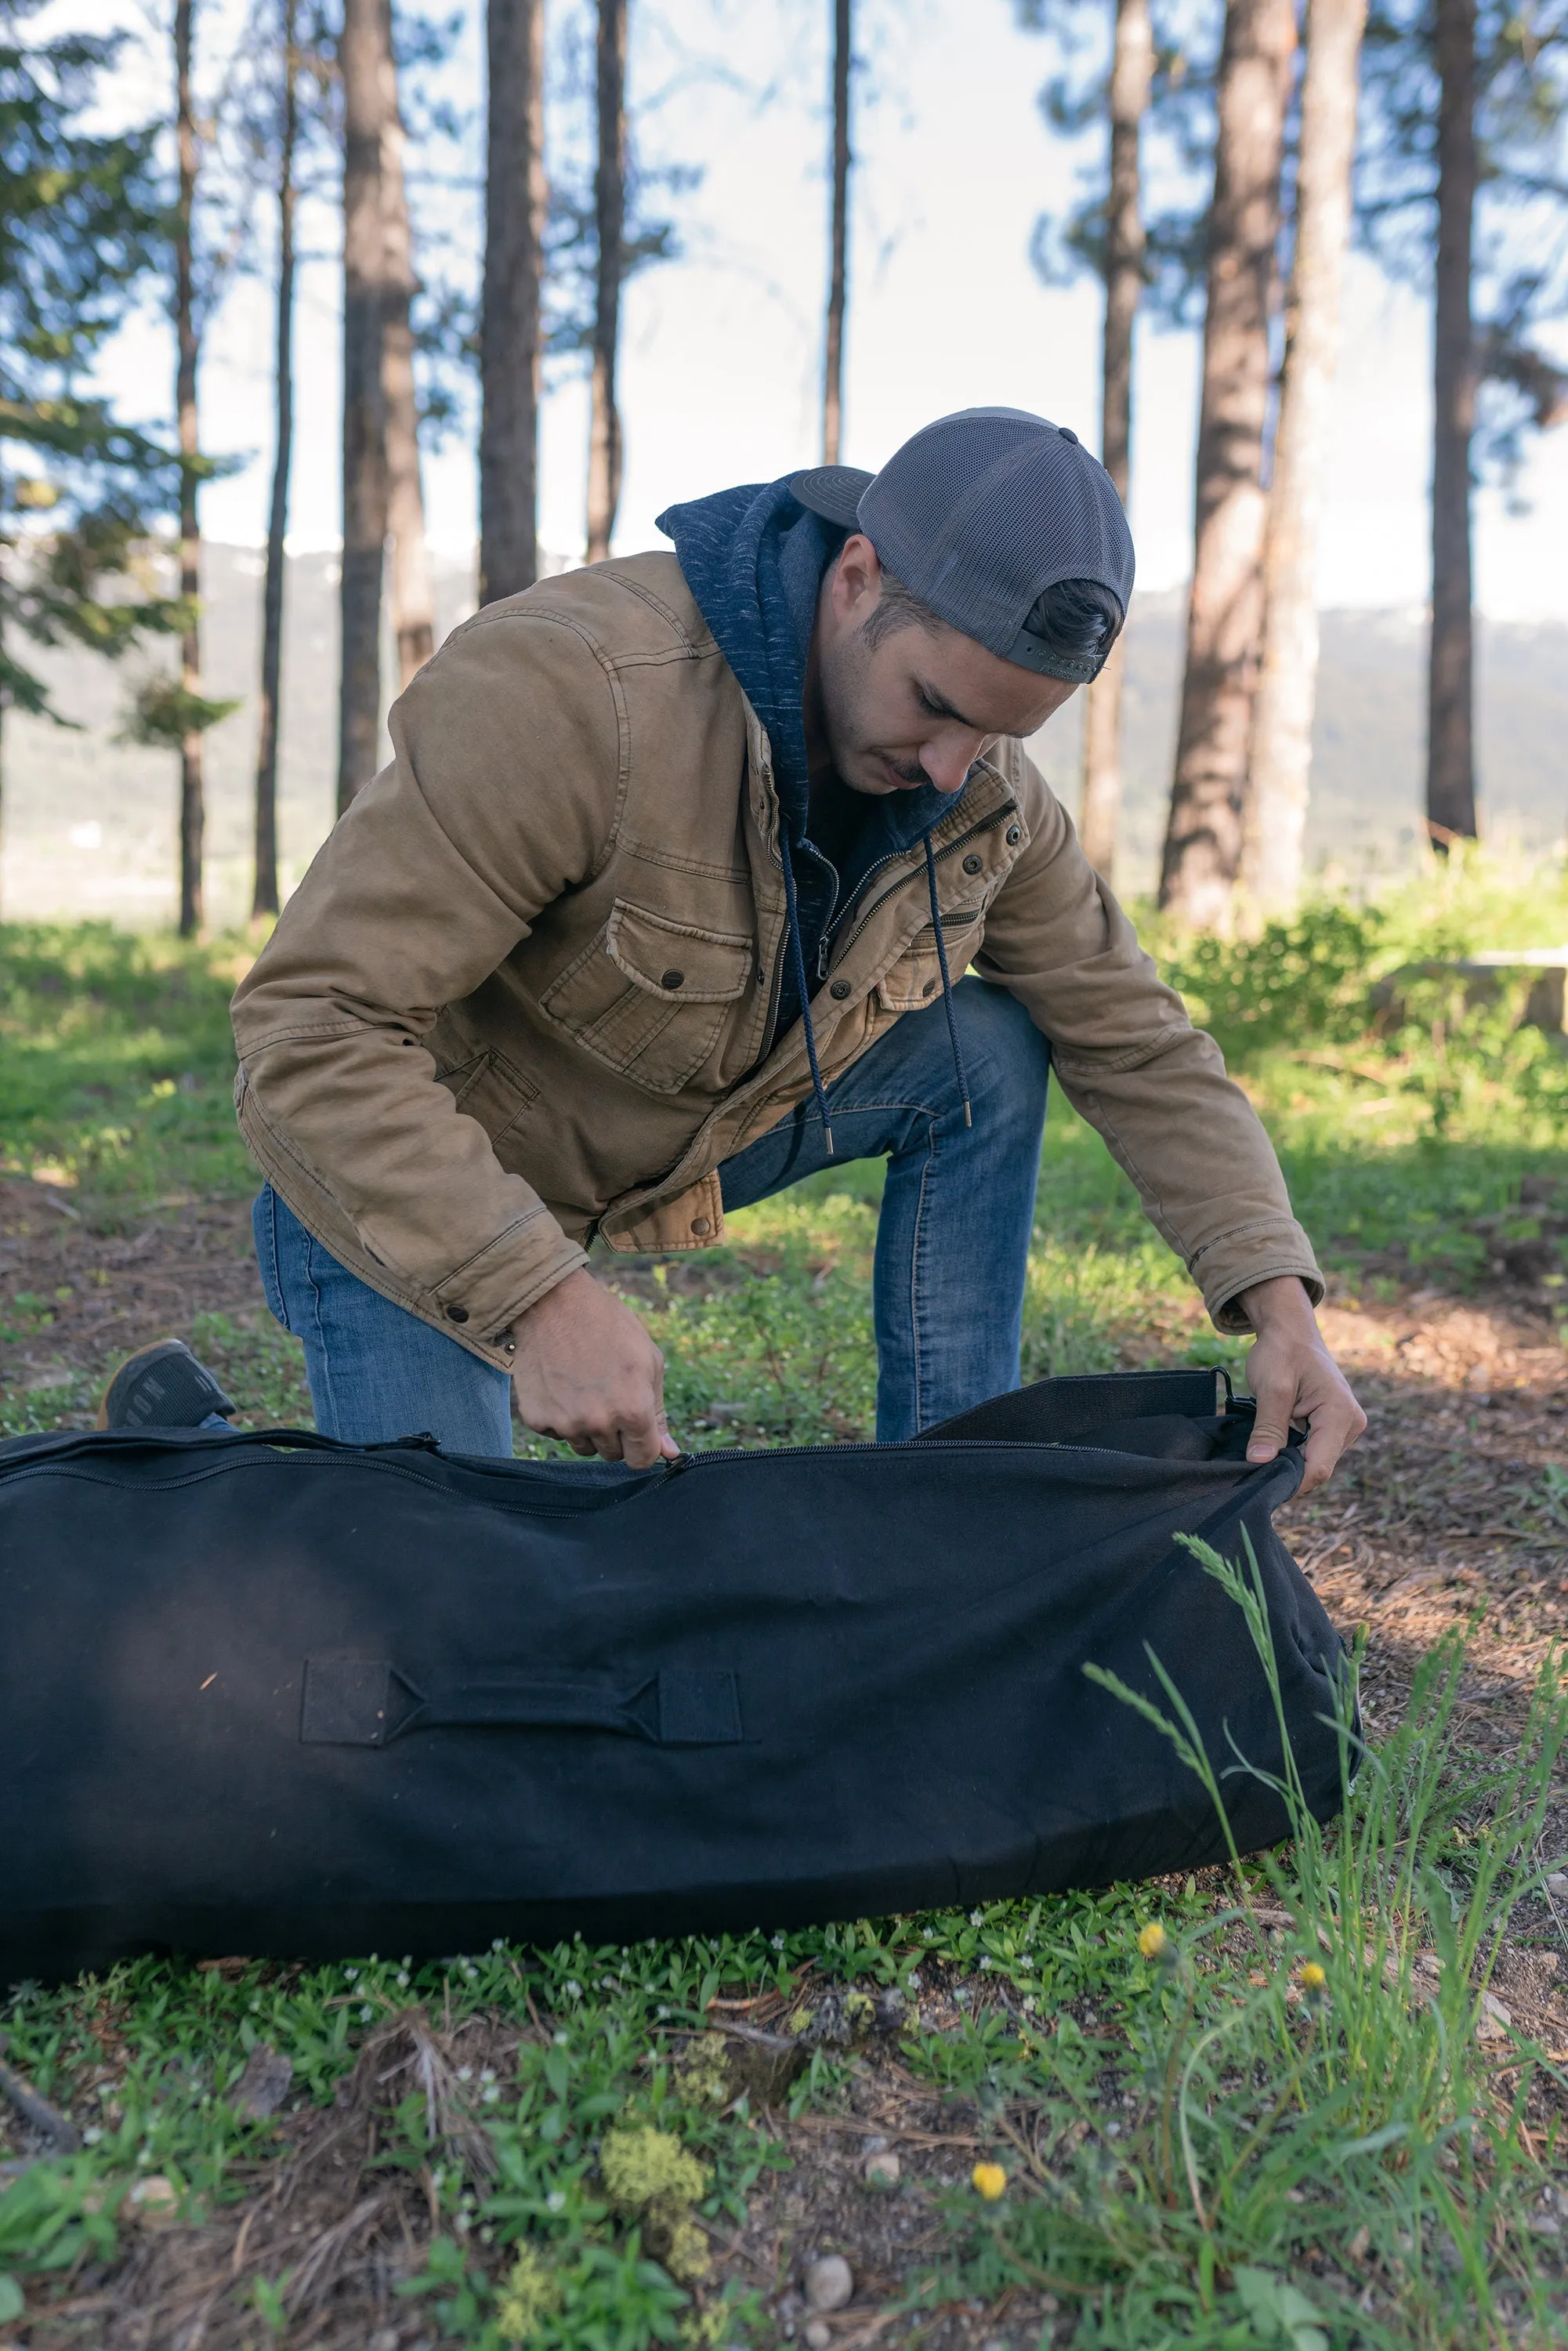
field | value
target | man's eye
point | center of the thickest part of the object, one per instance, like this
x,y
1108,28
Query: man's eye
x,y
932,709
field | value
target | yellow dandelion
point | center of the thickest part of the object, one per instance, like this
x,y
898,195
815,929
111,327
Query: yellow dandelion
x,y
990,2179
1152,1940
1313,1977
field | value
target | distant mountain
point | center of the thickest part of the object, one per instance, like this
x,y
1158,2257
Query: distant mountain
x,y
89,823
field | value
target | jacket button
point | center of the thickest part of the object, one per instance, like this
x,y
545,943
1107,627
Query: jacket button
x,y
457,1315
838,990
672,979
973,864
701,1227
1013,836
930,988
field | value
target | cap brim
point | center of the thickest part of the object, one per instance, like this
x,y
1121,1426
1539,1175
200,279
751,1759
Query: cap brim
x,y
835,492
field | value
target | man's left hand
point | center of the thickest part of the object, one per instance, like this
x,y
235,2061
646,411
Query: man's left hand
x,y
1293,1377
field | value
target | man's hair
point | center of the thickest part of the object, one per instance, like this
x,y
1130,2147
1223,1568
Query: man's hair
x,y
1076,618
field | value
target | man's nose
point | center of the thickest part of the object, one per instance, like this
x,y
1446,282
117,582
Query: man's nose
x,y
948,757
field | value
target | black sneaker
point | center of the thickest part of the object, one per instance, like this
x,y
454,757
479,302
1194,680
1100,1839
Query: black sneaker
x,y
162,1386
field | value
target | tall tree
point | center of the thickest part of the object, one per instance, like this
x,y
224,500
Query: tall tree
x,y
413,605
610,223
187,353
80,225
1450,745
1281,758
365,62
838,271
515,203
1132,74
264,896
1203,838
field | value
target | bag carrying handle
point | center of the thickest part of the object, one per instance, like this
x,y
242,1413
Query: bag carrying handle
x,y
368,1702
1069,1411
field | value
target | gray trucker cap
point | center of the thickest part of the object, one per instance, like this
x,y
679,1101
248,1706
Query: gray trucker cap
x,y
977,514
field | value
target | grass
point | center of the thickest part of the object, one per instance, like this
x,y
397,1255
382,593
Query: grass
x,y
1203,2142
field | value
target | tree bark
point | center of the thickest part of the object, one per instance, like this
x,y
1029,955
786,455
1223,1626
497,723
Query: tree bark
x,y
1132,72
187,343
264,896
1281,759
514,198
838,275
1450,742
413,604
1225,609
364,52
610,206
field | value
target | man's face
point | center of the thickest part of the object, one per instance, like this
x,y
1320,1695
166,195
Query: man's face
x,y
923,705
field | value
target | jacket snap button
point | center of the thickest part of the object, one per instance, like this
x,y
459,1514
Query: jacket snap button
x,y
973,864
457,1315
930,988
673,979
701,1227
838,990
1012,836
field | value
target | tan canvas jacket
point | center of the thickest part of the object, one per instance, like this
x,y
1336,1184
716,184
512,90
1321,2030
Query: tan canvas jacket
x,y
520,997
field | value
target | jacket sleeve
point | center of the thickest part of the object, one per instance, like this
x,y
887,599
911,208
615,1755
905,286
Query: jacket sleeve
x,y
1130,1060
501,794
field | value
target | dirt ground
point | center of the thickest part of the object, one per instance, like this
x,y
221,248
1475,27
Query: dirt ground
x,y
1453,1511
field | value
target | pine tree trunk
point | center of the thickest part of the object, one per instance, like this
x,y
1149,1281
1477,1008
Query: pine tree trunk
x,y
413,605
365,53
515,197
1131,71
264,897
610,206
1288,678
187,341
838,277
1225,609
1450,745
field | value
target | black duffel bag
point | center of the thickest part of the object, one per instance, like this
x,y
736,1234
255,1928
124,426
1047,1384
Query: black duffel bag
x,y
271,1694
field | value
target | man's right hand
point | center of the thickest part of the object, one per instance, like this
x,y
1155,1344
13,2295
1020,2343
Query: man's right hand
x,y
588,1371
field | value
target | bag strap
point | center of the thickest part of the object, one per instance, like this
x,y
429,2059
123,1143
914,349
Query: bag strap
x,y
368,1702
1069,1411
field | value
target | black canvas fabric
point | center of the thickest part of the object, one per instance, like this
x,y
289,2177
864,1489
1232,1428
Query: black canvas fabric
x,y
270,1694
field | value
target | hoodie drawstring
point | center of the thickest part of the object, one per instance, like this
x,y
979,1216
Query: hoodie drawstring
x,y
798,954
947,981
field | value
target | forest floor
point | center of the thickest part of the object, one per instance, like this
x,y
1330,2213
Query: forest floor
x,y
369,2157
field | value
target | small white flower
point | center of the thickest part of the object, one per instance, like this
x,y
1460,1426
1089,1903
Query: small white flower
x,y
488,2075
498,1943
912,1983
143,2154
556,2201
986,1960
491,2094
778,1942
352,1975
366,2013
1030,2005
976,1918
466,2073
561,2039
464,2222
928,1934
660,2012
401,1977
92,2133
375,1958
574,1988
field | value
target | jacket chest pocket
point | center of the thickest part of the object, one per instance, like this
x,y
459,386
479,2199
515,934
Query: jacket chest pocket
x,y
916,979
650,997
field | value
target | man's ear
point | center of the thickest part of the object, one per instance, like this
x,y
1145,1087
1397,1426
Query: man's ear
x,y
857,580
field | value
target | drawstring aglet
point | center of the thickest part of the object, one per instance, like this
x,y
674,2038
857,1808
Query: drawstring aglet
x,y
968,1120
827,1138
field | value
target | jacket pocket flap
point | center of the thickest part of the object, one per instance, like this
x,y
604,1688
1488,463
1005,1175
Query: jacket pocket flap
x,y
676,961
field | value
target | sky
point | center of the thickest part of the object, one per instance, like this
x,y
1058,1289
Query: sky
x,y
722,350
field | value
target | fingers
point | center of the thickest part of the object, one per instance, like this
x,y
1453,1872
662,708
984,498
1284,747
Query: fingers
x,y
1333,1429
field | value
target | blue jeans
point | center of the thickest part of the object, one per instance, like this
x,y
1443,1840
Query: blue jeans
x,y
952,1243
